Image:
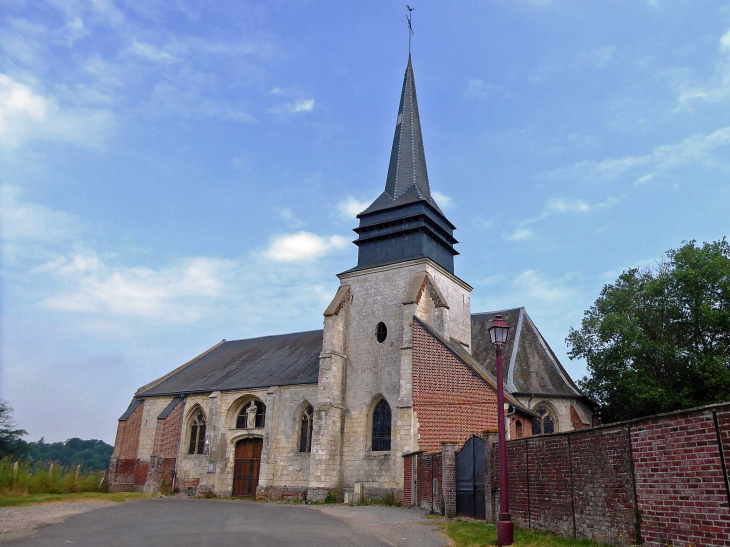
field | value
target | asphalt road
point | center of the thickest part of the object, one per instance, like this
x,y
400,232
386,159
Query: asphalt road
x,y
213,523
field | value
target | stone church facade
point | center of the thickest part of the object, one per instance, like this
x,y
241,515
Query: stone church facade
x,y
400,366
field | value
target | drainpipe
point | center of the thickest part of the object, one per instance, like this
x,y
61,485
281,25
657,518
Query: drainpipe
x,y
179,439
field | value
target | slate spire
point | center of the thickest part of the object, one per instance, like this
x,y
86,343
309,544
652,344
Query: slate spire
x,y
407,159
407,179
404,222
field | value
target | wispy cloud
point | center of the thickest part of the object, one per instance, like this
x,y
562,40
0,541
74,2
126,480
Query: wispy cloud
x,y
443,200
27,115
297,107
479,89
151,53
700,149
303,246
557,206
289,217
715,89
351,207
597,58
177,292
26,221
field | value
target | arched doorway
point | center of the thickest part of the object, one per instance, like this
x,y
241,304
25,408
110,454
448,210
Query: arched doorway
x,y
246,467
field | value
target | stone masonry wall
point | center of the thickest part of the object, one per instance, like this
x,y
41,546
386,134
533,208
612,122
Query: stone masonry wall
x,y
449,401
660,476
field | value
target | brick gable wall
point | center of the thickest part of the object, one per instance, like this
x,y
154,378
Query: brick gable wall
x,y
127,441
450,401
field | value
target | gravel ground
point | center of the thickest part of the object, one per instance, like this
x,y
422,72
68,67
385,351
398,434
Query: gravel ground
x,y
18,522
192,523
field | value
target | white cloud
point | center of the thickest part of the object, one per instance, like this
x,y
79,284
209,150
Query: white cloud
x,y
74,30
26,115
479,89
715,89
534,285
563,205
303,246
177,293
351,207
725,42
276,91
442,199
151,53
297,107
24,221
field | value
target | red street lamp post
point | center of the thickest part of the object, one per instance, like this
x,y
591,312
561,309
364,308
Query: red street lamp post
x,y
498,332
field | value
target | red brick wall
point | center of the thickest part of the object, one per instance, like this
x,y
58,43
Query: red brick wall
x,y
167,434
679,480
589,483
429,468
526,427
451,403
603,492
576,421
407,478
127,441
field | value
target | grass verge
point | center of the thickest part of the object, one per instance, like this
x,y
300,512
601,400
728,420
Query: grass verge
x,y
32,499
480,534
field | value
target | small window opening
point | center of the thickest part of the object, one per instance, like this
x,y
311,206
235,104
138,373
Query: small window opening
x,y
306,421
381,426
381,332
197,434
518,427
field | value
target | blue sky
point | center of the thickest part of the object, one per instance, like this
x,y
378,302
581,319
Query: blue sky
x,y
175,173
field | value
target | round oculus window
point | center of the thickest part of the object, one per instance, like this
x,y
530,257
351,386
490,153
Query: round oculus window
x,y
381,332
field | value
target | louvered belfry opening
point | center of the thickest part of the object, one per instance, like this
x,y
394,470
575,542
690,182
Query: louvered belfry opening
x,y
405,222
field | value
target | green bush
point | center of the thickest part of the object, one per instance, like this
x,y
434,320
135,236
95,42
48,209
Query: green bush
x,y
40,478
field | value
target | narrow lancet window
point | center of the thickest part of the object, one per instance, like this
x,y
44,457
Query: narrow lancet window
x,y
306,423
197,433
381,426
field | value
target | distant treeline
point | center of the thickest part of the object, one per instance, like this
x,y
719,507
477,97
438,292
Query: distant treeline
x,y
91,454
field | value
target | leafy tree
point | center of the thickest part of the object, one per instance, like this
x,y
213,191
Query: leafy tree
x,y
11,442
658,340
91,454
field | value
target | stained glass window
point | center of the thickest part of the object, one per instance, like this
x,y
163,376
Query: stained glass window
x,y
381,426
306,421
545,421
197,434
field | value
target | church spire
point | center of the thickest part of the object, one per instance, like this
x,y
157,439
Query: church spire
x,y
404,222
407,159
407,179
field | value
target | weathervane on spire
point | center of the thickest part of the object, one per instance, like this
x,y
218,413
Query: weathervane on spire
x,y
409,15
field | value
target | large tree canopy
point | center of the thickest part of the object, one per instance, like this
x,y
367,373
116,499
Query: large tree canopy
x,y
658,340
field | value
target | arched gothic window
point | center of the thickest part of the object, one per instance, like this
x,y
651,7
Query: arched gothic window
x,y
249,416
381,426
306,422
518,428
197,433
545,421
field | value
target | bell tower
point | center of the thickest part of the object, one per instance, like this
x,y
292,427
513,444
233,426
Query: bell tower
x,y
364,419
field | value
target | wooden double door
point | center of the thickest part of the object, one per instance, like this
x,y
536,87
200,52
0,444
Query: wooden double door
x,y
246,467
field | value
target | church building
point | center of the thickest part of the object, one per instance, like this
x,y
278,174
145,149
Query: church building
x,y
401,365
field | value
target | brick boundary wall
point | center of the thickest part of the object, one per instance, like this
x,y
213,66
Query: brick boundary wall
x,y
429,468
664,477
407,478
164,451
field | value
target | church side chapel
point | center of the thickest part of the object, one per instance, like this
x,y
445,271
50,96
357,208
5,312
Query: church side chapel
x,y
401,366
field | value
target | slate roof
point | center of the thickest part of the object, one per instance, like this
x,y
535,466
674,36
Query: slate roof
x,y
407,180
279,360
531,367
